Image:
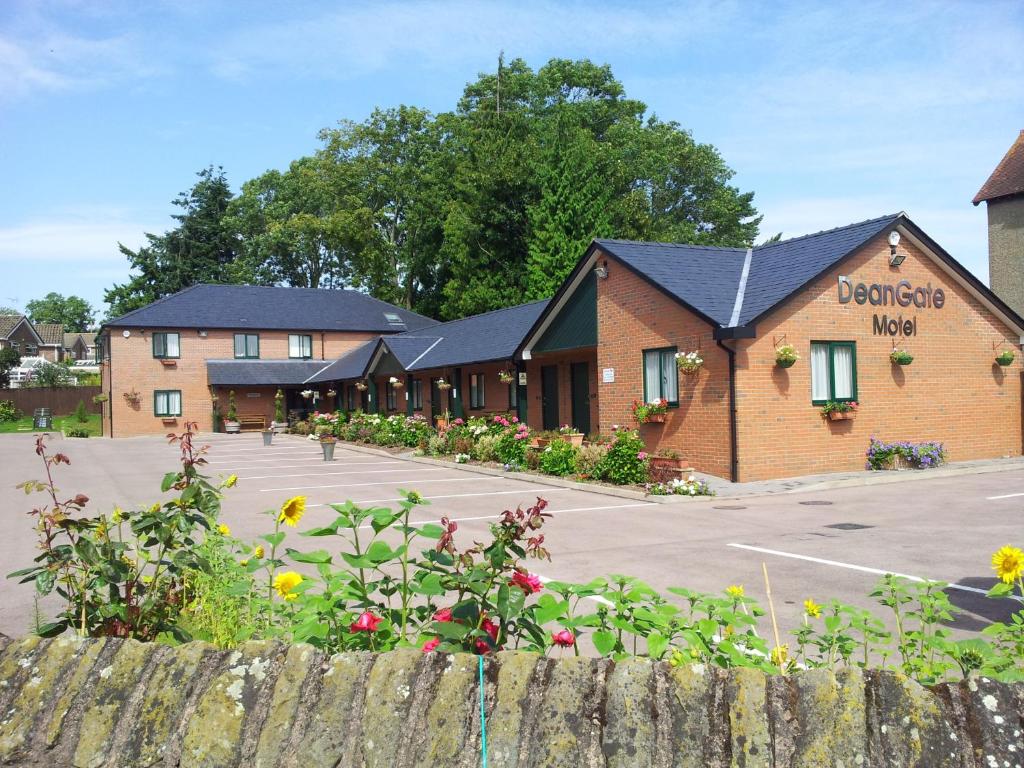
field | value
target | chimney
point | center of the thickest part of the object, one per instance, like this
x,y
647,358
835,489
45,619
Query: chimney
x,y
1003,194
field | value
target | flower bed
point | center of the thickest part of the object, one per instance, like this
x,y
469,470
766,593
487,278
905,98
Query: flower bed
x,y
904,455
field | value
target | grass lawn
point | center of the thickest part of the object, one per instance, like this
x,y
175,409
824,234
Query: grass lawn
x,y
59,424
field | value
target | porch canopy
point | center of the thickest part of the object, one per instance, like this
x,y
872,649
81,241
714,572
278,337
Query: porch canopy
x,y
261,373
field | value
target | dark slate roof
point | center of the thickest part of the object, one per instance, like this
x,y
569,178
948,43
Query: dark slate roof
x,y
707,278
258,307
351,365
261,372
477,339
1008,177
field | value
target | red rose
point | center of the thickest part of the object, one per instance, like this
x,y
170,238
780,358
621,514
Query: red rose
x,y
565,638
366,622
527,582
444,615
431,645
491,629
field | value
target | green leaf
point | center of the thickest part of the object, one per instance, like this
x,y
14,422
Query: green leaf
x,y
429,531
273,539
656,645
450,630
604,641
52,629
549,608
44,582
316,557
169,479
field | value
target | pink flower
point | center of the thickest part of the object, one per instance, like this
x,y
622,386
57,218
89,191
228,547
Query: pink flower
x,y
520,436
431,644
491,629
527,582
565,638
458,421
444,615
515,419
642,456
366,622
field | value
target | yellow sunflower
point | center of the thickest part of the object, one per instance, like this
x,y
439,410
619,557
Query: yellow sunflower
x,y
230,482
812,609
735,591
780,655
1008,563
223,530
292,511
285,582
258,552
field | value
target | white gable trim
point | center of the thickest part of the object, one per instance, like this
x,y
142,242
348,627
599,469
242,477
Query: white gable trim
x,y
24,321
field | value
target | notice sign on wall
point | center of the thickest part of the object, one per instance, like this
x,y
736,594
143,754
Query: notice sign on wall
x,y
608,375
522,379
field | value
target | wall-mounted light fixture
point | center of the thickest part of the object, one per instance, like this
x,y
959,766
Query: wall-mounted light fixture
x,y
895,259
602,271
203,334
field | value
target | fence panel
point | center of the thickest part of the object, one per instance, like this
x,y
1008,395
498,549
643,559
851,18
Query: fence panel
x,y
60,400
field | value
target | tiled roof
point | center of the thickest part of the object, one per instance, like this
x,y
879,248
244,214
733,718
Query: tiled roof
x,y
1008,177
707,279
351,365
261,372
8,323
50,333
271,308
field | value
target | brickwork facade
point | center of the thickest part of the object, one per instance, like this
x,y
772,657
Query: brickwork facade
x,y
1006,250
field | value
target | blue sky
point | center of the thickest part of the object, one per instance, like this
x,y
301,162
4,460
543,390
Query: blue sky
x,y
830,112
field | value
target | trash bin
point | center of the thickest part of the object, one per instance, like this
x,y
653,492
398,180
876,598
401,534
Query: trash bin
x,y
42,419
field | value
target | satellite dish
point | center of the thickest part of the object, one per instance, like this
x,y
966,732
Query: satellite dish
x,y
126,333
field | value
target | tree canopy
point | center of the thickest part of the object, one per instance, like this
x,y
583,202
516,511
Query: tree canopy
x,y
485,206
73,312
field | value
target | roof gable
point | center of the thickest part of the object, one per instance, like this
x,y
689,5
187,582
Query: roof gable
x,y
273,308
1008,177
351,365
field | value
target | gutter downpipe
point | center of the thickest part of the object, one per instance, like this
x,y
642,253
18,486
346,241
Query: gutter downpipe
x,y
734,467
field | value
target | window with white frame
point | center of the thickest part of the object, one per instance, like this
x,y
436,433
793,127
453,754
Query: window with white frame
x,y
661,377
300,345
833,371
476,390
167,402
166,345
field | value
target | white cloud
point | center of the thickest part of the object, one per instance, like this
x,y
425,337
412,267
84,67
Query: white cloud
x,y
82,237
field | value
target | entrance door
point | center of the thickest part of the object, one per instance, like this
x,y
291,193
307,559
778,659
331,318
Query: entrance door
x,y
437,407
549,395
580,373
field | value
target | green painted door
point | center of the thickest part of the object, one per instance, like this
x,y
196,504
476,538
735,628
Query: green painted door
x,y
549,396
436,406
580,373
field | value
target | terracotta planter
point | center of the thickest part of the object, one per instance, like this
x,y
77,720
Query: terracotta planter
x,y
840,415
169,363
442,423
664,462
542,442
574,439
655,418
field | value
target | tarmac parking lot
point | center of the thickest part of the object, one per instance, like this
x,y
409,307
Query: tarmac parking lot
x,y
816,544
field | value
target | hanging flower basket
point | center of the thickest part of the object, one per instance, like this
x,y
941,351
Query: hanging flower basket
x,y
786,356
1005,357
307,393
689,363
331,393
443,385
650,413
361,386
396,382
839,410
506,377
901,357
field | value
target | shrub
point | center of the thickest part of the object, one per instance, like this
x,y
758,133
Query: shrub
x,y
589,459
232,411
486,447
279,416
300,428
511,447
436,445
626,460
76,432
917,455
558,458
532,459
81,414
8,412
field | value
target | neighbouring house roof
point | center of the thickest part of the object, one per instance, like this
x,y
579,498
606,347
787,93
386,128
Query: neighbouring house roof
x,y
272,308
1008,177
351,365
252,373
89,339
8,323
52,334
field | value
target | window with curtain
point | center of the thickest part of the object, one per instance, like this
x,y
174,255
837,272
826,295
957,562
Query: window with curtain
x,y
166,345
392,396
300,345
661,378
247,345
513,395
167,402
417,394
476,390
833,371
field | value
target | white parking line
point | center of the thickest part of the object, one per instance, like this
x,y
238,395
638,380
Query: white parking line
x,y
553,512
383,482
849,566
325,474
544,490
1004,496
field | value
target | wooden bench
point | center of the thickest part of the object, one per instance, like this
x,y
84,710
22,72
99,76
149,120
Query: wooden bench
x,y
252,422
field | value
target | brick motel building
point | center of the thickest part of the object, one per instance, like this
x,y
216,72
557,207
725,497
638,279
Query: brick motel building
x,y
844,298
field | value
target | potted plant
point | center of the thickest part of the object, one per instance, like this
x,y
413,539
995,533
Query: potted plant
x,y
442,420
689,363
102,397
786,356
653,412
280,422
331,393
327,443
667,458
506,376
307,393
361,386
1005,357
231,423
901,357
570,435
396,382
839,410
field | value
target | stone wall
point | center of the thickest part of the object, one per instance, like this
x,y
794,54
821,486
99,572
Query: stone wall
x,y
97,703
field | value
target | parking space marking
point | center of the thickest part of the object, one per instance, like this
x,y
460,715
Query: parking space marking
x,y
452,495
298,466
1004,496
324,474
851,567
554,513
382,482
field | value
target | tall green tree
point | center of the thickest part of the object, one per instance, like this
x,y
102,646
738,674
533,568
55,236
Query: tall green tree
x,y
200,249
73,312
9,358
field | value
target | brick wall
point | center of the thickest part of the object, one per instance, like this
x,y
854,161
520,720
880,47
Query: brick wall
x,y
1006,250
132,367
952,392
633,316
